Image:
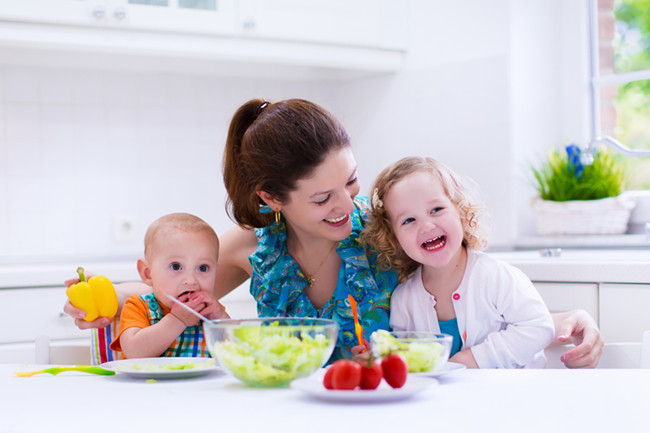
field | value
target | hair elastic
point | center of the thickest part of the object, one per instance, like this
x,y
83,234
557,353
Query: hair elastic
x,y
376,201
261,107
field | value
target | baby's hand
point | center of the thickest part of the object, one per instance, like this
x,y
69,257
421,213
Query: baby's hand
x,y
192,301
212,309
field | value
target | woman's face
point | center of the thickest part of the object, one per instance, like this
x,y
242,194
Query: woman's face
x,y
321,205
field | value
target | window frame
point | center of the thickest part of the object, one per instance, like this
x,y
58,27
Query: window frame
x,y
598,81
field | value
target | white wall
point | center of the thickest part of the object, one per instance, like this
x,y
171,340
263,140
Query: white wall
x,y
483,89
80,147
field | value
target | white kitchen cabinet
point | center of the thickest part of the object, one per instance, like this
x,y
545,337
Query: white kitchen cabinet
x,y
570,296
36,312
28,313
624,311
273,38
192,16
342,22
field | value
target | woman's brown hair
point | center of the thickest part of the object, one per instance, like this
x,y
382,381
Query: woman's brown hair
x,y
378,232
270,146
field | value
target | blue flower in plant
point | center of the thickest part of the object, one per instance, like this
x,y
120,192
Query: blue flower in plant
x,y
574,153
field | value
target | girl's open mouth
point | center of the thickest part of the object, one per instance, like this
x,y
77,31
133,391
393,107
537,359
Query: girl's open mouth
x,y
435,243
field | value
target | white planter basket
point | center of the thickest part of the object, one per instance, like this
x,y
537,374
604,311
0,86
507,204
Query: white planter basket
x,y
583,217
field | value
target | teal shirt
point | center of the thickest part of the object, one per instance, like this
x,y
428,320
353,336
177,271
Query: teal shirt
x,y
451,327
278,285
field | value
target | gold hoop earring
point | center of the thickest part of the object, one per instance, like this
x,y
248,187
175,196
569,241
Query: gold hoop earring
x,y
277,217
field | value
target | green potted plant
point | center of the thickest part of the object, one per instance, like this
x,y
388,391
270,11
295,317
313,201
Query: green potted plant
x,y
580,199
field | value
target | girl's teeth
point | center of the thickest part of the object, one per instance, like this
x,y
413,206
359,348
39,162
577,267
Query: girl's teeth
x,y
336,220
434,244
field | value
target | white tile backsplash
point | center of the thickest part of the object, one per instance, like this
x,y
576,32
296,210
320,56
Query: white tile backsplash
x,y
22,84
23,120
79,147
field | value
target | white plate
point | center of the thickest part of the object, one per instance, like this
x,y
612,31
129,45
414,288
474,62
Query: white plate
x,y
162,368
446,369
313,387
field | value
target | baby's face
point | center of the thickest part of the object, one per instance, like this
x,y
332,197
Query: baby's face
x,y
182,262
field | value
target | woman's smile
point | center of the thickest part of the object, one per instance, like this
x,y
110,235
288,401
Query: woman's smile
x,y
338,221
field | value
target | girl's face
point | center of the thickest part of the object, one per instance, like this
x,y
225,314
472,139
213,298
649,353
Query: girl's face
x,y
321,205
425,221
180,262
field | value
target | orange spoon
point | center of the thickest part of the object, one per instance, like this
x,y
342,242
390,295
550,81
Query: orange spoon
x,y
357,326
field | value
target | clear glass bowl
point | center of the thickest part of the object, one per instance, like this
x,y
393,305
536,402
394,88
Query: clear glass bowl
x,y
423,351
271,352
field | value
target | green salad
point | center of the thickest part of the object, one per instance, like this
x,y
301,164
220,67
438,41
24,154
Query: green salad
x,y
421,355
272,356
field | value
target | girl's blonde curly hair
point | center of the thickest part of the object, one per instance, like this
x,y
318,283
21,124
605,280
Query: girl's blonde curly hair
x,y
378,232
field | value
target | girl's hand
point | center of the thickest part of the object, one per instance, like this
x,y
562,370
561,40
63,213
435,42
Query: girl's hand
x,y
360,349
465,357
579,328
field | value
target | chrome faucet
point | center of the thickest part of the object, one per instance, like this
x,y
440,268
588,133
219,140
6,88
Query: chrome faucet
x,y
587,155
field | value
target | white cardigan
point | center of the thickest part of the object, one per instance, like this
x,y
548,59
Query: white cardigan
x,y
501,316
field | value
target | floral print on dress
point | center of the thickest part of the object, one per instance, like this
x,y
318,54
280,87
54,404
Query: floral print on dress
x,y
278,284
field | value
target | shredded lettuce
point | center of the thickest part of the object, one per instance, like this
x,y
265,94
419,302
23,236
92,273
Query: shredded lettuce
x,y
420,355
272,356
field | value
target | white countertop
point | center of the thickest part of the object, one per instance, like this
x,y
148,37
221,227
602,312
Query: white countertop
x,y
573,265
501,401
41,274
578,265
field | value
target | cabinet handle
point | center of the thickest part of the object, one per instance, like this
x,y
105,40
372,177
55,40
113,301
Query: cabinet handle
x,y
98,12
120,13
249,23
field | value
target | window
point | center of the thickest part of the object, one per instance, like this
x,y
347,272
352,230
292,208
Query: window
x,y
620,35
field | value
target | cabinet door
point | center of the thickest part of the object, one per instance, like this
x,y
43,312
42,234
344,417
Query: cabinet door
x,y
28,313
569,296
624,311
77,12
187,16
341,22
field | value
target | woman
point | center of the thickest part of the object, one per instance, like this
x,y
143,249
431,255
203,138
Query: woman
x,y
292,185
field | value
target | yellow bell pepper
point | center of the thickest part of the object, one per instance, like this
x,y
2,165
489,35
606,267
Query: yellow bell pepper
x,y
96,296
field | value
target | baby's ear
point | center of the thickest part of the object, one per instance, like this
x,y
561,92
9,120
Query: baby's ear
x,y
145,271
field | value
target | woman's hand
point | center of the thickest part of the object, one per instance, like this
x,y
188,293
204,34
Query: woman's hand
x,y
123,290
78,315
579,328
465,357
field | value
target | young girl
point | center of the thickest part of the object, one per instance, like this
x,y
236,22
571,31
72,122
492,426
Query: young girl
x,y
425,226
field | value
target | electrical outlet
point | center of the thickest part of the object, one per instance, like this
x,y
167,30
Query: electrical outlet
x,y
124,228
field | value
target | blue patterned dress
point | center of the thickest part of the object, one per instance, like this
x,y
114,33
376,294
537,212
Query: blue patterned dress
x,y
278,285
